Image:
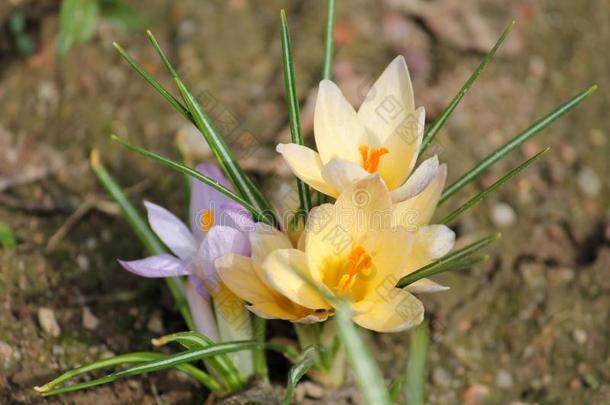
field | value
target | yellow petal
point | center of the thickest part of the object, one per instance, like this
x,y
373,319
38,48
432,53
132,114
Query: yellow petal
x,y
363,206
417,211
425,285
239,276
341,174
430,243
389,102
284,270
337,129
403,145
396,311
306,165
417,181
264,239
272,310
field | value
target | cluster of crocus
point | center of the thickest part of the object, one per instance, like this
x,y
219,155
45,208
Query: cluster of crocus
x,y
357,248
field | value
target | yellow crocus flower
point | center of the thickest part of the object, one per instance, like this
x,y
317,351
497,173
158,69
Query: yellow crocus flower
x,y
353,250
245,277
383,137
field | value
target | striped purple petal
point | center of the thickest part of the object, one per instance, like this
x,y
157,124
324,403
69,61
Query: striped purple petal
x,y
171,231
164,265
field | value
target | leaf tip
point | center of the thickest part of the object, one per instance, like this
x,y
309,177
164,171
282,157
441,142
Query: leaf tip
x,y
159,341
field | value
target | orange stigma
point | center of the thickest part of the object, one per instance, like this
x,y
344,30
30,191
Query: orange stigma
x,y
370,157
358,261
206,220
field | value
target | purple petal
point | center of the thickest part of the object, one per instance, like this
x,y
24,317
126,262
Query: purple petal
x,y
201,310
220,240
171,231
205,198
198,285
164,265
236,216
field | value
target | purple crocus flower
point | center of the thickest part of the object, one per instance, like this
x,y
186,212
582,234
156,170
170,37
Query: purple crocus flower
x,y
218,226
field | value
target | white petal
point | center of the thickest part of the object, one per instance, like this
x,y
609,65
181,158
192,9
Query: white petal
x,y
171,231
431,242
389,102
306,165
337,129
418,181
341,174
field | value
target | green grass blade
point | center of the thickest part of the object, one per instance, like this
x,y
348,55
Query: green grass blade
x,y
447,262
162,55
307,360
515,142
143,232
368,375
131,358
77,22
195,340
223,154
483,194
259,327
444,115
329,40
153,82
194,174
296,131
396,388
415,380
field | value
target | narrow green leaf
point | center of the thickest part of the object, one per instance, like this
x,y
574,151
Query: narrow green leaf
x,y
368,375
296,130
415,381
396,388
329,40
297,371
131,358
143,232
444,115
195,340
447,262
194,174
259,327
483,194
77,21
153,82
515,142
162,55
7,237
224,156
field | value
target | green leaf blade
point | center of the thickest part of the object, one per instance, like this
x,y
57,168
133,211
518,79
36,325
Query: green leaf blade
x,y
329,40
515,142
447,263
444,115
294,113
298,370
483,194
142,231
368,375
415,379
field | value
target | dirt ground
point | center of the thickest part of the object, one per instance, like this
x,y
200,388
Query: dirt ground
x,y
531,326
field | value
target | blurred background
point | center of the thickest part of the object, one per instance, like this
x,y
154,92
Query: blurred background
x,y
532,325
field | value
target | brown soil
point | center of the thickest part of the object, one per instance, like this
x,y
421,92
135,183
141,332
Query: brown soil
x,y
531,326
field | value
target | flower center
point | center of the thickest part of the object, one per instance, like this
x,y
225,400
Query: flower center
x,y
358,262
206,220
371,156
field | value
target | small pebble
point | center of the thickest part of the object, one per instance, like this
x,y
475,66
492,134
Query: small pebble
x,y
441,377
588,182
504,379
503,215
90,321
476,394
6,351
580,336
155,324
83,262
47,321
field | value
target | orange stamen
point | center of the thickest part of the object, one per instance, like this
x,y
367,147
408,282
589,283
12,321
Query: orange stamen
x,y
371,157
358,261
206,221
